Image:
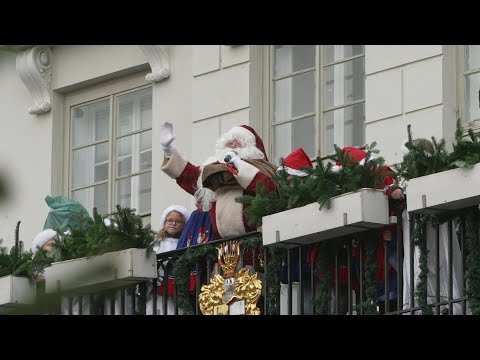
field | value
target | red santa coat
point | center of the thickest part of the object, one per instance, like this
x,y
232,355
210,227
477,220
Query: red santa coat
x,y
226,215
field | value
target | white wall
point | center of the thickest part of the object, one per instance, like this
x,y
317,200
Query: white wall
x,y
405,85
25,157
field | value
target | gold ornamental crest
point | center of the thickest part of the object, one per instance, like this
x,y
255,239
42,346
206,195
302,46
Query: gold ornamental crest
x,y
230,293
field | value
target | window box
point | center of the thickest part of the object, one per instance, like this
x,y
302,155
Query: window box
x,y
449,190
97,273
16,290
350,213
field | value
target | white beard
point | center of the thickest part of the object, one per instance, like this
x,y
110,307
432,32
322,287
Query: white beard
x,y
249,152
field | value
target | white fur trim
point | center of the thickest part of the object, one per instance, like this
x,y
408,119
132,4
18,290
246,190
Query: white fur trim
x,y
41,239
246,173
238,131
336,168
178,208
291,171
229,213
174,165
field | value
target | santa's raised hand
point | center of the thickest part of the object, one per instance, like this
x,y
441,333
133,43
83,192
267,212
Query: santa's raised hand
x,y
166,138
232,158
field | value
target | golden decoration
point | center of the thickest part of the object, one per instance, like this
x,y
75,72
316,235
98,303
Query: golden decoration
x,y
232,286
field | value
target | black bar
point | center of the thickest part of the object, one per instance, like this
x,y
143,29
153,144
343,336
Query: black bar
x,y
399,260
122,301
386,264
450,267
463,262
134,298
360,243
154,295
80,310
300,279
112,303
437,269
165,288
312,278
413,225
70,305
289,279
349,277
337,285
197,289
265,290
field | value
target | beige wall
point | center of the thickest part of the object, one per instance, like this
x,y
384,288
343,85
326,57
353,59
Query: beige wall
x,y
408,84
25,157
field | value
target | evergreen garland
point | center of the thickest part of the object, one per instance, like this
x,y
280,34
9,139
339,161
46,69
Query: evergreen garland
x,y
466,151
272,279
17,261
369,305
324,273
321,185
419,239
424,157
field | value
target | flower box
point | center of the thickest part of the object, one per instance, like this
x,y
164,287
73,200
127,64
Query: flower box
x,y
449,190
16,290
350,213
97,273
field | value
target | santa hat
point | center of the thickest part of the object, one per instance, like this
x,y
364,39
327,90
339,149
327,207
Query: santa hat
x,y
248,132
295,161
41,239
355,154
178,208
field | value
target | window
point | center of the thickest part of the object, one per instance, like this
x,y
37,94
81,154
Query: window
x,y
312,116
469,84
111,151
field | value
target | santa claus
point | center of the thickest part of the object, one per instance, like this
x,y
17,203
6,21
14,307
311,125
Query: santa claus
x,y
238,165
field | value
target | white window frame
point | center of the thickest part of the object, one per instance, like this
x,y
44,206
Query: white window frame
x,y
473,124
105,90
320,110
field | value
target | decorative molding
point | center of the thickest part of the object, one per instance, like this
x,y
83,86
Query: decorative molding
x,y
34,66
157,57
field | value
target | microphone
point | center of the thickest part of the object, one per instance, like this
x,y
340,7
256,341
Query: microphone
x,y
228,157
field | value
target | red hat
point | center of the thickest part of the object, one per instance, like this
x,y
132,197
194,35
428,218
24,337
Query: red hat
x,y
249,131
359,155
295,161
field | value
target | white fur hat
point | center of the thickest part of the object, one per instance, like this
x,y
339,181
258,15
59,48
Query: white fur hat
x,y
42,238
178,208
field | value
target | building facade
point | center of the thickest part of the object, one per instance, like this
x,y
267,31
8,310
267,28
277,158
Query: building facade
x,y
84,121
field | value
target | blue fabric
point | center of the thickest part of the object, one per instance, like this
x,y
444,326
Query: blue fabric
x,y
294,264
197,230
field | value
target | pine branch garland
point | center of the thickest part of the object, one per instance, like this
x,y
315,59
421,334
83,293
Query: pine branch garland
x,y
272,279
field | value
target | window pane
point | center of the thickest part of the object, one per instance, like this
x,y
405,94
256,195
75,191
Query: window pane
x,y
135,192
344,83
85,163
352,120
90,123
291,136
134,153
134,111
96,196
294,96
472,57
472,97
291,58
338,52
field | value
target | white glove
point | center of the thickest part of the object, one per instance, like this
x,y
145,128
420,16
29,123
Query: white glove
x,y
232,158
166,138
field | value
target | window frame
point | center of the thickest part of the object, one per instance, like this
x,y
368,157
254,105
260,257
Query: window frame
x,y
110,90
461,84
320,110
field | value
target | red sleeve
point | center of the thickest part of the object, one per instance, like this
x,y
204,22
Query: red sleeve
x,y
264,179
188,178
